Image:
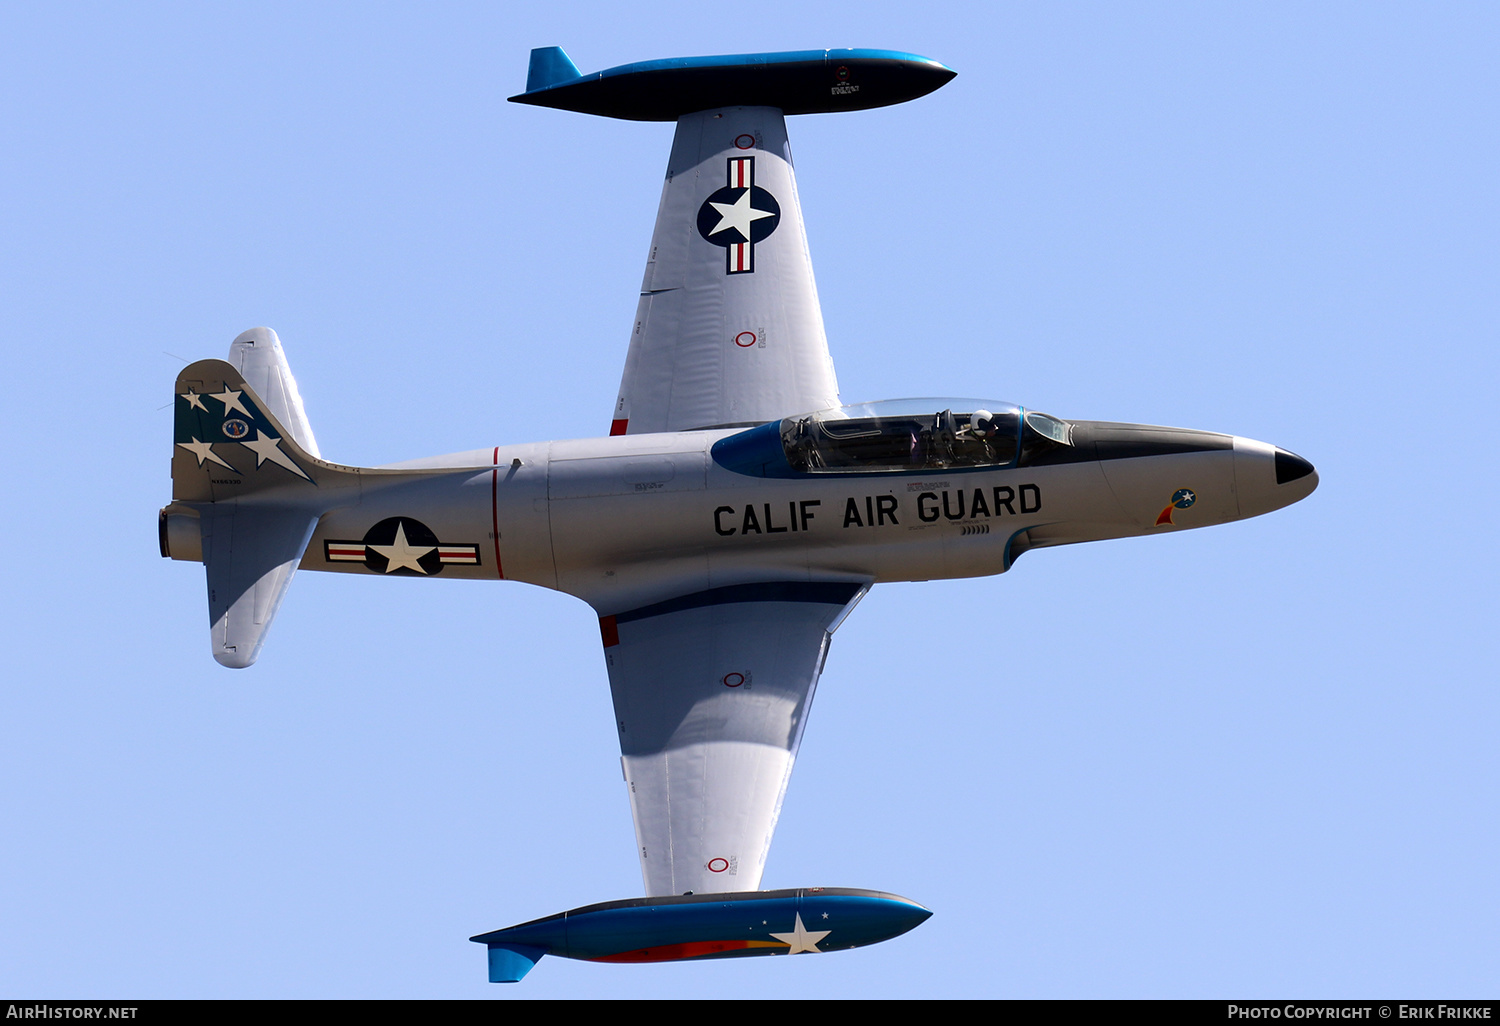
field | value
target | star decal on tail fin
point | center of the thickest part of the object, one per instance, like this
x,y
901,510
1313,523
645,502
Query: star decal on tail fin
x,y
204,451
268,448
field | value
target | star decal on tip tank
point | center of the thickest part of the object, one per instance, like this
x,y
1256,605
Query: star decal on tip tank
x,y
801,938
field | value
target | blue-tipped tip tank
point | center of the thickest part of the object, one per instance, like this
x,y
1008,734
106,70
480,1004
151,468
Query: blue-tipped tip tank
x,y
734,924
796,82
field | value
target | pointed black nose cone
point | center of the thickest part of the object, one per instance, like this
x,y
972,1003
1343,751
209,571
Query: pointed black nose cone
x,y
1290,467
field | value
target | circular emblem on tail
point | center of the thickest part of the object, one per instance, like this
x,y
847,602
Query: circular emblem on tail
x,y
236,428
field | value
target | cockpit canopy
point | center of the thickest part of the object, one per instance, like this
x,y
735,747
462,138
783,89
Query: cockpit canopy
x,y
902,435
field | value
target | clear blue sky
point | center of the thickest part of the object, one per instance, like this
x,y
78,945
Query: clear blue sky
x,y
1257,759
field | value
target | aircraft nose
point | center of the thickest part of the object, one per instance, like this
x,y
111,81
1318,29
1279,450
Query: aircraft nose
x,y
1268,477
1291,467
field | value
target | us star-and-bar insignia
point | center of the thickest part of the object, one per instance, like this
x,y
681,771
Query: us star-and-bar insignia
x,y
738,216
401,545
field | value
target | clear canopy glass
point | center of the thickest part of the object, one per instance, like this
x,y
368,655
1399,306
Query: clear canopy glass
x,y
917,434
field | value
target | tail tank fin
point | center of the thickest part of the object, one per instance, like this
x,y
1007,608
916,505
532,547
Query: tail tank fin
x,y
550,66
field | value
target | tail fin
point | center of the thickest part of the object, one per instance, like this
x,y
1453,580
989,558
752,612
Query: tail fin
x,y
257,354
246,491
550,67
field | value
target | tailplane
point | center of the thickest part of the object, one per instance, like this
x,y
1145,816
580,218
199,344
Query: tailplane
x,y
247,488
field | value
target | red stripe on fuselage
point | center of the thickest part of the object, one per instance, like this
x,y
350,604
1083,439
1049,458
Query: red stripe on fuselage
x,y
693,949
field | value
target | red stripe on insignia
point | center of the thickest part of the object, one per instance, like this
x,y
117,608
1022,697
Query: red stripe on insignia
x,y
617,427
1165,517
609,631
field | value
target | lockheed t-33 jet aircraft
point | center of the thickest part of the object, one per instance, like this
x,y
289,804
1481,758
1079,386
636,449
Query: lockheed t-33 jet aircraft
x,y
750,509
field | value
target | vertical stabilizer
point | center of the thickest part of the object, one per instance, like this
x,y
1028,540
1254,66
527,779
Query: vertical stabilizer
x,y
258,356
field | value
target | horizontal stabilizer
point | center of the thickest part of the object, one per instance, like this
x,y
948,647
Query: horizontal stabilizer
x,y
549,67
251,553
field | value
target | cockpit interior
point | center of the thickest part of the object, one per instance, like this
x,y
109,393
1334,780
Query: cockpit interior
x,y
917,435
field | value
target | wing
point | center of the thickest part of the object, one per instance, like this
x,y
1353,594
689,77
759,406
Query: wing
x,y
711,693
728,330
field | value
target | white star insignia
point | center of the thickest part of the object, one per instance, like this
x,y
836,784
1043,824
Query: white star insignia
x,y
231,400
270,449
738,215
204,451
801,938
399,553
195,401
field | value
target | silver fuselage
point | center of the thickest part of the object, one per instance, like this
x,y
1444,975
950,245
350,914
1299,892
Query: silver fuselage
x,y
626,521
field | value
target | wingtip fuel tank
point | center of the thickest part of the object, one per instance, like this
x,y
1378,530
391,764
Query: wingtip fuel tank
x,y
795,82
690,927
